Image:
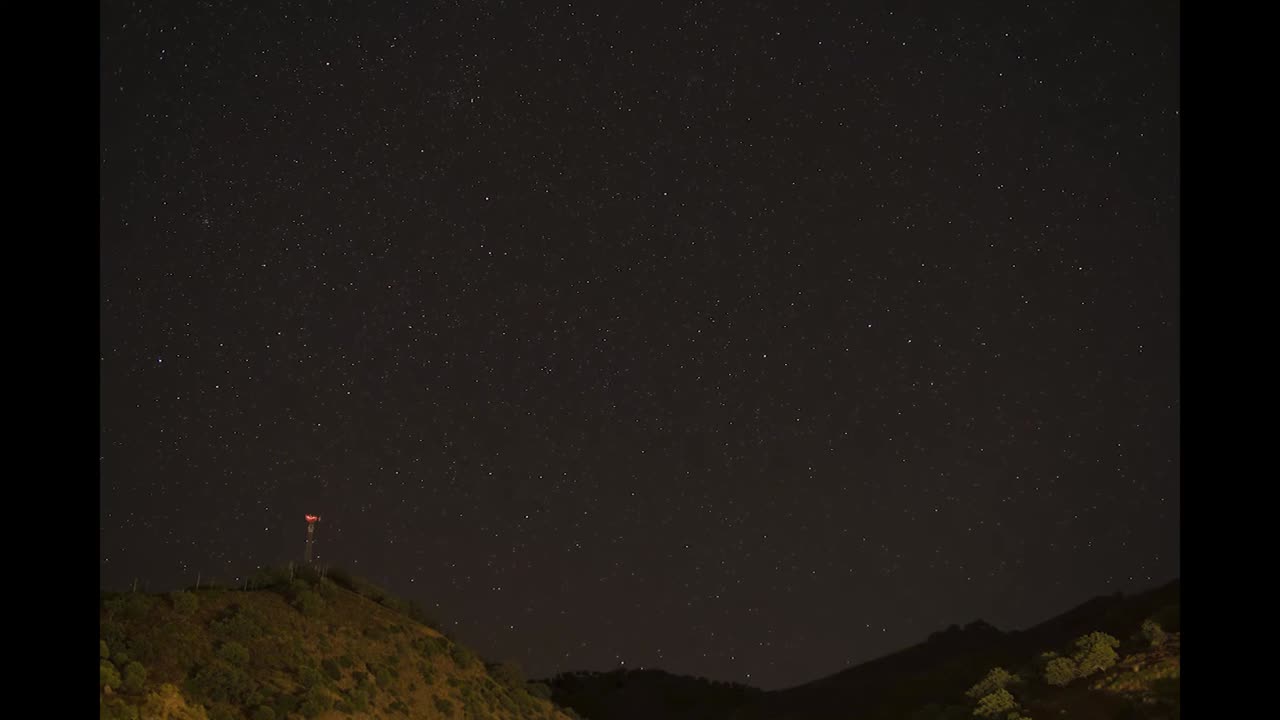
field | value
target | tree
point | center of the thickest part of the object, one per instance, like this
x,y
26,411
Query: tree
x,y
134,676
1095,652
234,653
309,603
1153,633
167,703
996,679
996,705
508,673
107,675
1059,671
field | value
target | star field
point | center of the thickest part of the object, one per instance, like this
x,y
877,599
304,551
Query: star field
x,y
746,342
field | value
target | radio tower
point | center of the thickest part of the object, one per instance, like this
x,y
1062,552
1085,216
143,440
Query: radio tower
x,y
311,537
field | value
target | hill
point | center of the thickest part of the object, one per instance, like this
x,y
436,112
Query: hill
x,y
936,672
301,647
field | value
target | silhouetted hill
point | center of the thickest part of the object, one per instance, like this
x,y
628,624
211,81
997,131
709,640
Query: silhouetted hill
x,y
939,670
300,648
644,694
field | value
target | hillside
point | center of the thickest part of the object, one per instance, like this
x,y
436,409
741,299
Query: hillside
x,y
936,672
300,648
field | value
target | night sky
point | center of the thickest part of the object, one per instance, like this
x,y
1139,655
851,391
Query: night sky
x,y
748,341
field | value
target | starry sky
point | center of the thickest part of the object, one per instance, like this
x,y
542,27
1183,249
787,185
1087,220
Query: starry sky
x,y
744,340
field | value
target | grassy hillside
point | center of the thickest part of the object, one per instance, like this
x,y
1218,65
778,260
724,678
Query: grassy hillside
x,y
306,648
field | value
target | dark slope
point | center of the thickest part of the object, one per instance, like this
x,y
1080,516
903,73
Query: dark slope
x,y
938,670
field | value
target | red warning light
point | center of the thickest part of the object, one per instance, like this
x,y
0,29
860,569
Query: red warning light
x,y
312,518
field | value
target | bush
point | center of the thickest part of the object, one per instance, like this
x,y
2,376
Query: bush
x,y
996,705
237,624
184,603
508,673
309,603
462,657
135,677
1095,652
310,677
331,669
107,675
103,651
539,690
315,702
264,712
234,653
1059,671
1153,633
996,679
444,706
221,682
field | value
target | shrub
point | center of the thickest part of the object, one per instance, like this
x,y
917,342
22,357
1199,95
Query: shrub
x,y
1059,671
223,711
310,677
107,675
359,700
184,603
996,679
996,705
309,603
221,682
264,712
114,708
1153,633
331,669
444,706
539,690
234,653
103,651
1094,652
462,657
135,677
315,702
237,624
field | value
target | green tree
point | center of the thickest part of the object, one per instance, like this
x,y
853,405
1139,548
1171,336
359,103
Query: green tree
x,y
107,675
135,677
1060,670
539,690
1095,652
234,653
508,673
996,704
996,679
1153,633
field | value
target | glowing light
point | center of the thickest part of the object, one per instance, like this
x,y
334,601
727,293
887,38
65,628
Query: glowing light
x,y
312,518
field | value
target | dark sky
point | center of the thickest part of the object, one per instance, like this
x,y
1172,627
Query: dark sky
x,y
746,340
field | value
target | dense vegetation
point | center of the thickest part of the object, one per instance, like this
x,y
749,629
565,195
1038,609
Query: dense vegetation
x,y
295,646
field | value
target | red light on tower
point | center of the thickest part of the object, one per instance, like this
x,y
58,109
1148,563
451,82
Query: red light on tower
x,y
311,537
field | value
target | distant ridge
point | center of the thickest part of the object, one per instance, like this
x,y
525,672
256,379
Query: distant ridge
x,y
938,670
